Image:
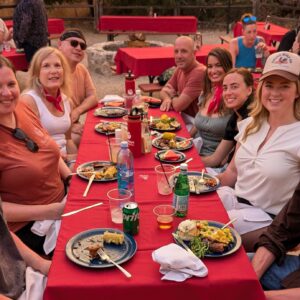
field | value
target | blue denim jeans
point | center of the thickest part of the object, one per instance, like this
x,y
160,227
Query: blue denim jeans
x,y
272,278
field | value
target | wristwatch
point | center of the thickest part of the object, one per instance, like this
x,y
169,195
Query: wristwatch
x,y
67,180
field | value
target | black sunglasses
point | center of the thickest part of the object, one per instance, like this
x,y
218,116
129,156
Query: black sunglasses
x,y
19,134
75,43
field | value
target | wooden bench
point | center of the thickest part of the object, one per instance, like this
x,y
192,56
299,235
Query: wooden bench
x,y
225,38
150,88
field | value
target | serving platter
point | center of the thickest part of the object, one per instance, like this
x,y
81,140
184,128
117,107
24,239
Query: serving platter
x,y
76,248
110,112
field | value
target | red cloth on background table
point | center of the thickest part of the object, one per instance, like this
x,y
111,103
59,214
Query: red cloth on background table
x,y
229,278
275,33
172,24
18,59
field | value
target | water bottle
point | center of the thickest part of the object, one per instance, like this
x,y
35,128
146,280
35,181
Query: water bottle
x,y
267,23
181,192
146,136
125,169
138,101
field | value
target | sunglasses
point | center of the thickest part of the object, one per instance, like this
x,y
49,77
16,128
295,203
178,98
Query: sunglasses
x,y
75,43
249,19
19,134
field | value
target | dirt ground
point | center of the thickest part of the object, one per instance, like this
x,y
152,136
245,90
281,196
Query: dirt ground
x,y
107,85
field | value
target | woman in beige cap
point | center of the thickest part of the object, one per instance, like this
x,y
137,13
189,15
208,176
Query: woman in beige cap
x,y
265,170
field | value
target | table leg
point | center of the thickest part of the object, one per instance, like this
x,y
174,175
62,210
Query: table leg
x,y
151,78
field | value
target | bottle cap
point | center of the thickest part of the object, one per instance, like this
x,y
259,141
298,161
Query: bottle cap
x,y
124,144
183,167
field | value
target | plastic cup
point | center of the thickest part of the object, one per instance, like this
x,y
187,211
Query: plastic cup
x,y
164,175
114,148
117,199
7,46
164,215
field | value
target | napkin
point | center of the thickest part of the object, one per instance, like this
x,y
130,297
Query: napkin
x,y
111,98
177,264
35,285
48,228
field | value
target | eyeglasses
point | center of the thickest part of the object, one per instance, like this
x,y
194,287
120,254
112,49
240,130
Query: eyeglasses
x,y
249,19
19,134
75,43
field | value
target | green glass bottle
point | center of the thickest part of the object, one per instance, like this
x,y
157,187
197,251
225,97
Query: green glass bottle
x,y
181,192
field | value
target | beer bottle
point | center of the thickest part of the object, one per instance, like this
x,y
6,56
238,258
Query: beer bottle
x,y
181,192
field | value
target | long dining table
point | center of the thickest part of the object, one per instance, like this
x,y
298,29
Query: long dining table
x,y
152,61
229,277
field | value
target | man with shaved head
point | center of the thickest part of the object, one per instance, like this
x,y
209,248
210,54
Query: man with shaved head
x,y
182,90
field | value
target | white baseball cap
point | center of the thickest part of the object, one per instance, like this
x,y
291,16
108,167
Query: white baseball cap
x,y
284,64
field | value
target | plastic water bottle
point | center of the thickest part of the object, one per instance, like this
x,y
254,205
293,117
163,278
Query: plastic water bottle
x,y
181,192
125,169
138,101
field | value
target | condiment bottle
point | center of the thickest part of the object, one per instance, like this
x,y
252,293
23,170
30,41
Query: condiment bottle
x,y
134,125
129,84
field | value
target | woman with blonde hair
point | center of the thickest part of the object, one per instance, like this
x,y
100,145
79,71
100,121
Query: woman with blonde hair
x,y
48,95
266,167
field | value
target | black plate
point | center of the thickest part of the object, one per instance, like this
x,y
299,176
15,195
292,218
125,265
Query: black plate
x,y
108,132
94,164
118,253
110,112
195,176
178,139
181,159
152,104
232,247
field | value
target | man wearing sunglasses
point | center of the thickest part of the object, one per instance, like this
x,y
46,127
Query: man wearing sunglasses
x,y
72,44
244,48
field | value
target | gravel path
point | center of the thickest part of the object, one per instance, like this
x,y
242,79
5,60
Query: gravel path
x,y
114,84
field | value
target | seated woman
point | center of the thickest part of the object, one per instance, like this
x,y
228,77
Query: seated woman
x,y
265,169
238,93
15,257
243,48
31,169
212,117
47,97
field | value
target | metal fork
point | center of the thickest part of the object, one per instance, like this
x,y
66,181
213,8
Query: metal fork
x,y
104,256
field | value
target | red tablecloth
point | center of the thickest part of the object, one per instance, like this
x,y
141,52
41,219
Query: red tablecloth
x,y
275,33
229,278
18,59
153,61
171,24
55,26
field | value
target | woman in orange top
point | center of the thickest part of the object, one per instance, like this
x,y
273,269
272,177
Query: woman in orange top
x,y
31,169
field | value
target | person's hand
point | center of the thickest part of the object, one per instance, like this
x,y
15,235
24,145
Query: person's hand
x,y
166,105
55,210
77,128
75,115
262,46
296,47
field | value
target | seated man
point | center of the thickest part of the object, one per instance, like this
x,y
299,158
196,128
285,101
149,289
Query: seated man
x,y
14,257
182,90
281,281
72,43
291,41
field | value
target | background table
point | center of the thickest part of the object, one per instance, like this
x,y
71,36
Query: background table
x,y
229,278
152,61
274,34
18,59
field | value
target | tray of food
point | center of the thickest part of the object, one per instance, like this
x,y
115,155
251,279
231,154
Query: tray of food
x,y
164,123
169,140
110,112
103,170
207,238
83,247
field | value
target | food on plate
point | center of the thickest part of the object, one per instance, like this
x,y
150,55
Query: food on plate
x,y
204,238
151,100
113,237
197,187
170,155
106,172
165,123
93,248
114,103
168,140
108,127
110,111
168,136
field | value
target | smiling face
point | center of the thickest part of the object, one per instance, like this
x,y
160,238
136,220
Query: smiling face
x,y
184,52
9,91
51,73
235,91
73,54
278,95
215,70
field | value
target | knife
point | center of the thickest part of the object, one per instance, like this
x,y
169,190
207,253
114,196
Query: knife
x,y
182,243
